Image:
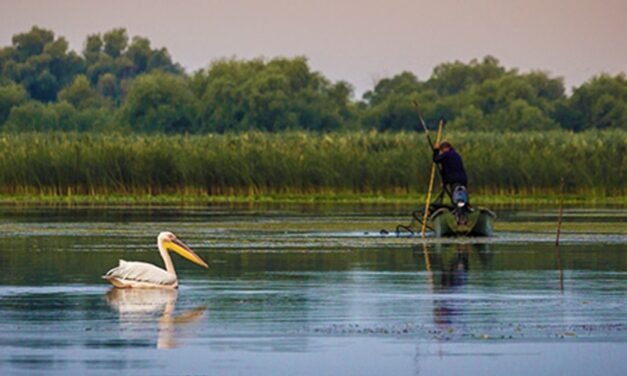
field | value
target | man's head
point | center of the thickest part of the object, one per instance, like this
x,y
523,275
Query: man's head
x,y
444,146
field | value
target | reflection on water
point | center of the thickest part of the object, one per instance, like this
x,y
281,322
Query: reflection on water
x,y
318,297
453,269
141,307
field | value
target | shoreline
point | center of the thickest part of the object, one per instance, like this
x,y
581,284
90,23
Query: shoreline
x,y
300,199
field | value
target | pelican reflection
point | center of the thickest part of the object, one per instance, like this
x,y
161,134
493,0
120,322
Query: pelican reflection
x,y
139,309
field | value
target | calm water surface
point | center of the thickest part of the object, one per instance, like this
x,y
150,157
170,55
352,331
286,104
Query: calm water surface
x,y
311,290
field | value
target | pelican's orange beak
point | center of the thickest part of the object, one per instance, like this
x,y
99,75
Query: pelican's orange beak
x,y
183,250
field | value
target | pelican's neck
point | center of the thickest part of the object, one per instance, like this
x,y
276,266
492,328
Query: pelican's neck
x,y
167,260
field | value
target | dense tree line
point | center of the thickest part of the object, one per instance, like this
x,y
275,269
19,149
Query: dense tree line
x,y
126,84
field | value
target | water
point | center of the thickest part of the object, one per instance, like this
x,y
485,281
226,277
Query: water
x,y
312,290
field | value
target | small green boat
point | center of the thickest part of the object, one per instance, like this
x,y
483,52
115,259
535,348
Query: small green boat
x,y
475,222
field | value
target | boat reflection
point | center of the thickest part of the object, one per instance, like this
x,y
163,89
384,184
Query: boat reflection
x,y
140,309
448,267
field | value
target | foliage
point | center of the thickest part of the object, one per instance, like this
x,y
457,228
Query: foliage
x,y
33,116
159,102
599,103
475,96
40,62
111,79
43,65
82,95
277,95
11,95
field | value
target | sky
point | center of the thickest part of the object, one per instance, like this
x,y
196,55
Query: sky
x,y
360,41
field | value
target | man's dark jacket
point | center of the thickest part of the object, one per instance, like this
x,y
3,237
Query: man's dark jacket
x,y
452,167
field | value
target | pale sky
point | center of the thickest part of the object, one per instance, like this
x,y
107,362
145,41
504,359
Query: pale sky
x,y
356,40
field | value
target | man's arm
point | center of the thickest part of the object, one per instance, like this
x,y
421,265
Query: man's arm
x,y
437,157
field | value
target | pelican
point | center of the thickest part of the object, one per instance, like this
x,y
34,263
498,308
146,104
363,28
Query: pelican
x,y
143,275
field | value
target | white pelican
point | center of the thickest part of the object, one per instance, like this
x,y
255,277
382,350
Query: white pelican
x,y
143,275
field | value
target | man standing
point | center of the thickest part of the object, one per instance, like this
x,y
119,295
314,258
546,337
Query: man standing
x,y
452,170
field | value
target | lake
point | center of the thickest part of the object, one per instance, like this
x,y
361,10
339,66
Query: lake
x,y
312,290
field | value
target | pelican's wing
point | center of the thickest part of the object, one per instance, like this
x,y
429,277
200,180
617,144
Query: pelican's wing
x,y
140,272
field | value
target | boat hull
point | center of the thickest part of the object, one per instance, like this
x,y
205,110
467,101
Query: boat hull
x,y
479,222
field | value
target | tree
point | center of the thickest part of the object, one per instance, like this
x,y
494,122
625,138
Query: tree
x,y
139,52
395,113
43,87
115,42
108,86
32,42
599,103
455,77
41,63
112,62
518,115
32,116
81,95
159,102
11,95
92,48
104,65
404,83
470,118
64,65
275,95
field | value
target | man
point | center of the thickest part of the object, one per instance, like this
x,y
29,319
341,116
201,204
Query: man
x,y
452,170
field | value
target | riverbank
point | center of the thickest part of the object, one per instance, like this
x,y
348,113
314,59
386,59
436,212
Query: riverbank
x,y
194,200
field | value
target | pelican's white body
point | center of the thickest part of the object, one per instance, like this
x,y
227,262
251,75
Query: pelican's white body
x,y
143,275
140,274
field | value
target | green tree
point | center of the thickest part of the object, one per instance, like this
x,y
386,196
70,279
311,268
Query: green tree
x,y
455,77
390,105
115,42
139,52
43,87
159,102
32,116
11,95
405,83
32,42
394,113
108,86
276,95
599,103
41,63
81,95
92,48
519,115
470,118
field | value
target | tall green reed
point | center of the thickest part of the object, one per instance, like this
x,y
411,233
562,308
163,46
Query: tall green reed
x,y
305,163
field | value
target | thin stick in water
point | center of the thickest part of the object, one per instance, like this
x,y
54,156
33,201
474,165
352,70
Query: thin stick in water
x,y
561,213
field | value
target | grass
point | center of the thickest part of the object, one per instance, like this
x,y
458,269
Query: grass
x,y
305,167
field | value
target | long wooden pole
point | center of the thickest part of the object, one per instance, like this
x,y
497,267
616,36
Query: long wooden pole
x,y
431,181
561,213
425,252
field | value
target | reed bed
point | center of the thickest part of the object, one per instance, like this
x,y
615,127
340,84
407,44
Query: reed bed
x,y
306,163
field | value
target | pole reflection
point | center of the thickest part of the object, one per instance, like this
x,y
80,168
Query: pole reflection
x,y
448,268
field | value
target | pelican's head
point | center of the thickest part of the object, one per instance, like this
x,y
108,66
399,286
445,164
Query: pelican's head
x,y
171,243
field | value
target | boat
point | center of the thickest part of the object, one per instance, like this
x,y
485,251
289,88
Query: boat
x,y
474,222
